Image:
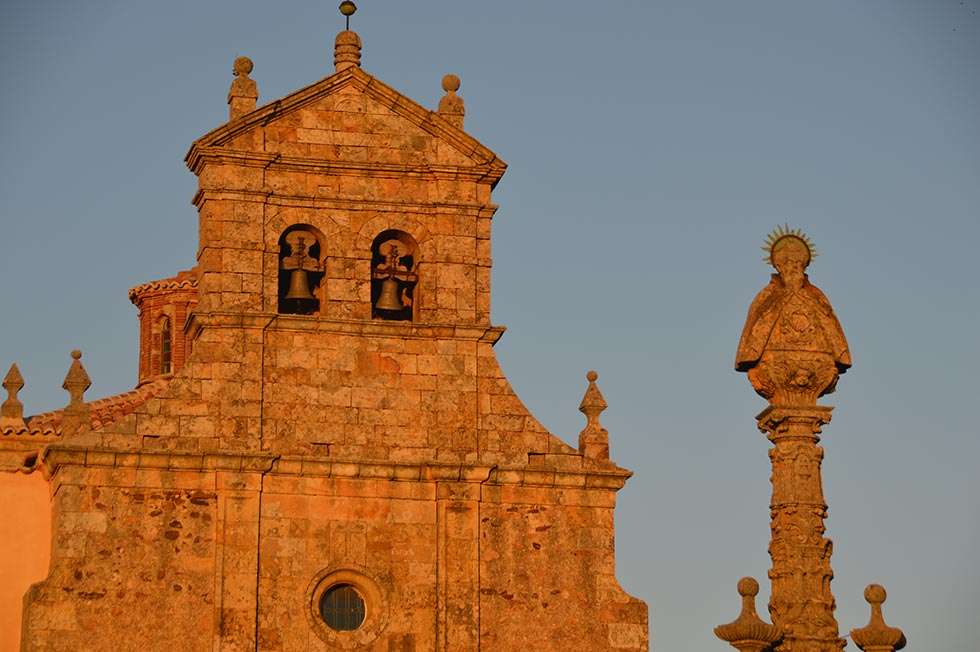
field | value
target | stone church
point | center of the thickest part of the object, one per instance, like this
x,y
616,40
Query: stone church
x,y
321,451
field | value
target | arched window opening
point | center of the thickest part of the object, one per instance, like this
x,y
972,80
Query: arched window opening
x,y
300,271
166,346
394,275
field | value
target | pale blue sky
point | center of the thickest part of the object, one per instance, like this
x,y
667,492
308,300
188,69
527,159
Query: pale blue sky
x,y
652,145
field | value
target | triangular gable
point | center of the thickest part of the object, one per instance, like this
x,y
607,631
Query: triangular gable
x,y
472,151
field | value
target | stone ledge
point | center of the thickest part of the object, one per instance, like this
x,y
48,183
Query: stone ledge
x,y
57,456
370,328
224,156
477,209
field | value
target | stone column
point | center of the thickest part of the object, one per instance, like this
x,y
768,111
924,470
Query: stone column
x,y
801,602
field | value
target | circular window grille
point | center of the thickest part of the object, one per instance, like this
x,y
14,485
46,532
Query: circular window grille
x,y
342,608
348,609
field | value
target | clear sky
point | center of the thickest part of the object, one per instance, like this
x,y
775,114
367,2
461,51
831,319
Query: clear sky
x,y
652,145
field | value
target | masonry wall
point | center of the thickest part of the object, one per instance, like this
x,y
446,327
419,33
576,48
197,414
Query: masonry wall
x,y
462,559
132,564
548,576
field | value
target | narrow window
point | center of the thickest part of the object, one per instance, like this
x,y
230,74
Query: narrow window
x,y
166,335
342,608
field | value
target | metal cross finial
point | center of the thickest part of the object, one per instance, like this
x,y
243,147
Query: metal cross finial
x,y
347,8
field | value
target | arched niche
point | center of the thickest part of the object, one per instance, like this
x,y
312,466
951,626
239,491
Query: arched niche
x,y
394,275
300,270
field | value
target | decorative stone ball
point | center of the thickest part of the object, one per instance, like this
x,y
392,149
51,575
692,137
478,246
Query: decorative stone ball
x,y
875,594
592,376
347,8
450,83
748,586
243,66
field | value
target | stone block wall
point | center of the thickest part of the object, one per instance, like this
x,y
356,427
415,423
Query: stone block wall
x,y
165,551
132,559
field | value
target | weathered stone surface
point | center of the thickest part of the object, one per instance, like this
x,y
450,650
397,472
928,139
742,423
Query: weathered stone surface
x,y
876,636
748,632
288,441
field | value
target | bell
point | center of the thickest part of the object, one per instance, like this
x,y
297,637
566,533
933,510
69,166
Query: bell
x,y
388,300
299,286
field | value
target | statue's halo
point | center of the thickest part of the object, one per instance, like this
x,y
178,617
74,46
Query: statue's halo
x,y
782,232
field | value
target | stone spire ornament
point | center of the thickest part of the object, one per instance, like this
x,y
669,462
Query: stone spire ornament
x,y
347,46
244,92
12,410
77,381
593,441
748,632
876,636
793,350
451,106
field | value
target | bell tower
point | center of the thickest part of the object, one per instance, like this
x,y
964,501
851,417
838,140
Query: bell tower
x,y
345,161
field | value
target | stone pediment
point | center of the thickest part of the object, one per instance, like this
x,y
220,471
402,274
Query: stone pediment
x,y
350,119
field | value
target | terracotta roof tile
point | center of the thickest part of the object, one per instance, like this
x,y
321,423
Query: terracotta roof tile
x,y
104,411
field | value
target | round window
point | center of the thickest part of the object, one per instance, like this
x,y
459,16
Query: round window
x,y
342,608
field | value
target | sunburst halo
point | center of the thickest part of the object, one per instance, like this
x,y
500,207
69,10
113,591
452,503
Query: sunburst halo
x,y
784,231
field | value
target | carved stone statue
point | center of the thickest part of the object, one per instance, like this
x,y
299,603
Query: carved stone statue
x,y
792,345
793,349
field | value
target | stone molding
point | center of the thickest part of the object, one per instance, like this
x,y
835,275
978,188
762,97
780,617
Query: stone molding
x,y
365,327
201,156
476,209
56,456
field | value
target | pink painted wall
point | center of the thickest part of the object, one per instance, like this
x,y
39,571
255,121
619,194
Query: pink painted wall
x,y
25,547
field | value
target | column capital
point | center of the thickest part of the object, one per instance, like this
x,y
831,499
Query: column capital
x,y
779,421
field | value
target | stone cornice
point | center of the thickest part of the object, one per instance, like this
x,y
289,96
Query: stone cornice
x,y
56,456
199,157
367,328
309,201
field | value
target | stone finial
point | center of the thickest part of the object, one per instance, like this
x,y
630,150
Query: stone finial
x,y
12,410
244,92
876,636
451,106
593,441
76,382
347,47
748,632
